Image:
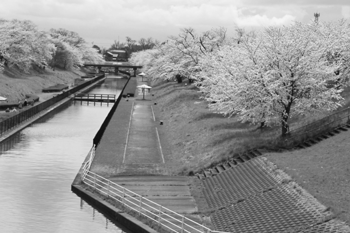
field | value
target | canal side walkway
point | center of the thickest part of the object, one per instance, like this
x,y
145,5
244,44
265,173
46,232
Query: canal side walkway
x,y
133,153
132,143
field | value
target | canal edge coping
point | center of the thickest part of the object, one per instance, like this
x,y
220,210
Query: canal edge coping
x,y
114,214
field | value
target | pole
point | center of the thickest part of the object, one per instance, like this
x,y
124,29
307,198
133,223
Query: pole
x,y
182,225
159,215
108,189
140,205
123,196
95,181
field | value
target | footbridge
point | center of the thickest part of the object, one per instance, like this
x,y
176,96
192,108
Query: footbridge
x,y
115,65
90,97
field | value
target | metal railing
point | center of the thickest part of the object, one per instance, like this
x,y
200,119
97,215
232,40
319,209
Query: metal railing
x,y
321,126
158,214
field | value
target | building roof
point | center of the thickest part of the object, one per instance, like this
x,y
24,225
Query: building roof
x,y
116,51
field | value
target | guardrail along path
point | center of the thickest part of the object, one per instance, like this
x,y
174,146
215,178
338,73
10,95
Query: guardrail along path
x,y
171,192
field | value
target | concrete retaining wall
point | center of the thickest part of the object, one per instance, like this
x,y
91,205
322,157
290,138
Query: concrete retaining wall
x,y
110,211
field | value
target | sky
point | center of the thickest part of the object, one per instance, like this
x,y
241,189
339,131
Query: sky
x,y
102,22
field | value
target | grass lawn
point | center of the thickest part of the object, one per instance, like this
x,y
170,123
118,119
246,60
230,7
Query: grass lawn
x,y
323,170
199,137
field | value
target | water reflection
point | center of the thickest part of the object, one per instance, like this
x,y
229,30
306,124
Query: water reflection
x,y
37,167
9,143
95,214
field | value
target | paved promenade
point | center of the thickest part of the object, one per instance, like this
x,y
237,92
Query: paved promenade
x,y
131,144
133,153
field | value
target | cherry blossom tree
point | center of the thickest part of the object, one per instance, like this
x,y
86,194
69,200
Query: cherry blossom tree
x,y
190,47
23,45
91,55
275,74
180,55
71,50
158,63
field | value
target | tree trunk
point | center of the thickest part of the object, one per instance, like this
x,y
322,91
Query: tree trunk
x,y
178,78
262,125
285,125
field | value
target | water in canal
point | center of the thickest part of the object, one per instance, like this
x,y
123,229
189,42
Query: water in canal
x,y
38,165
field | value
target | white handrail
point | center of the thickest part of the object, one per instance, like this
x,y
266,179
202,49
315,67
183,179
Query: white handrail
x,y
127,198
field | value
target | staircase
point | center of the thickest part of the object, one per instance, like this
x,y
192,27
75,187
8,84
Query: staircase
x,y
169,191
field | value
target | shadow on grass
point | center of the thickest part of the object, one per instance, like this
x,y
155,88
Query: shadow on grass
x,y
228,136
162,85
166,93
232,125
173,88
251,137
184,96
208,115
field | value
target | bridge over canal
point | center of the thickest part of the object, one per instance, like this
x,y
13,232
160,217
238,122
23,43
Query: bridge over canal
x,y
115,65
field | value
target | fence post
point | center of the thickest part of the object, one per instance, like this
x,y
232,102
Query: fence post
x,y
108,189
182,224
94,181
140,205
159,215
124,196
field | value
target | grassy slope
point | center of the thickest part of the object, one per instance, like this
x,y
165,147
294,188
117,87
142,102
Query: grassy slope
x,y
15,85
323,170
200,137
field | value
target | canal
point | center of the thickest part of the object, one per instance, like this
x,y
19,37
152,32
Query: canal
x,y
39,163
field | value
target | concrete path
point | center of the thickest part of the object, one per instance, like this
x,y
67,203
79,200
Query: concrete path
x,y
131,153
143,145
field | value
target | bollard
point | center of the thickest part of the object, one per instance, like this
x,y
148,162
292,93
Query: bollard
x,y
161,123
155,103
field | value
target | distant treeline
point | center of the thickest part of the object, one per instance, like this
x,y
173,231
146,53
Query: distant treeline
x,y
24,46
